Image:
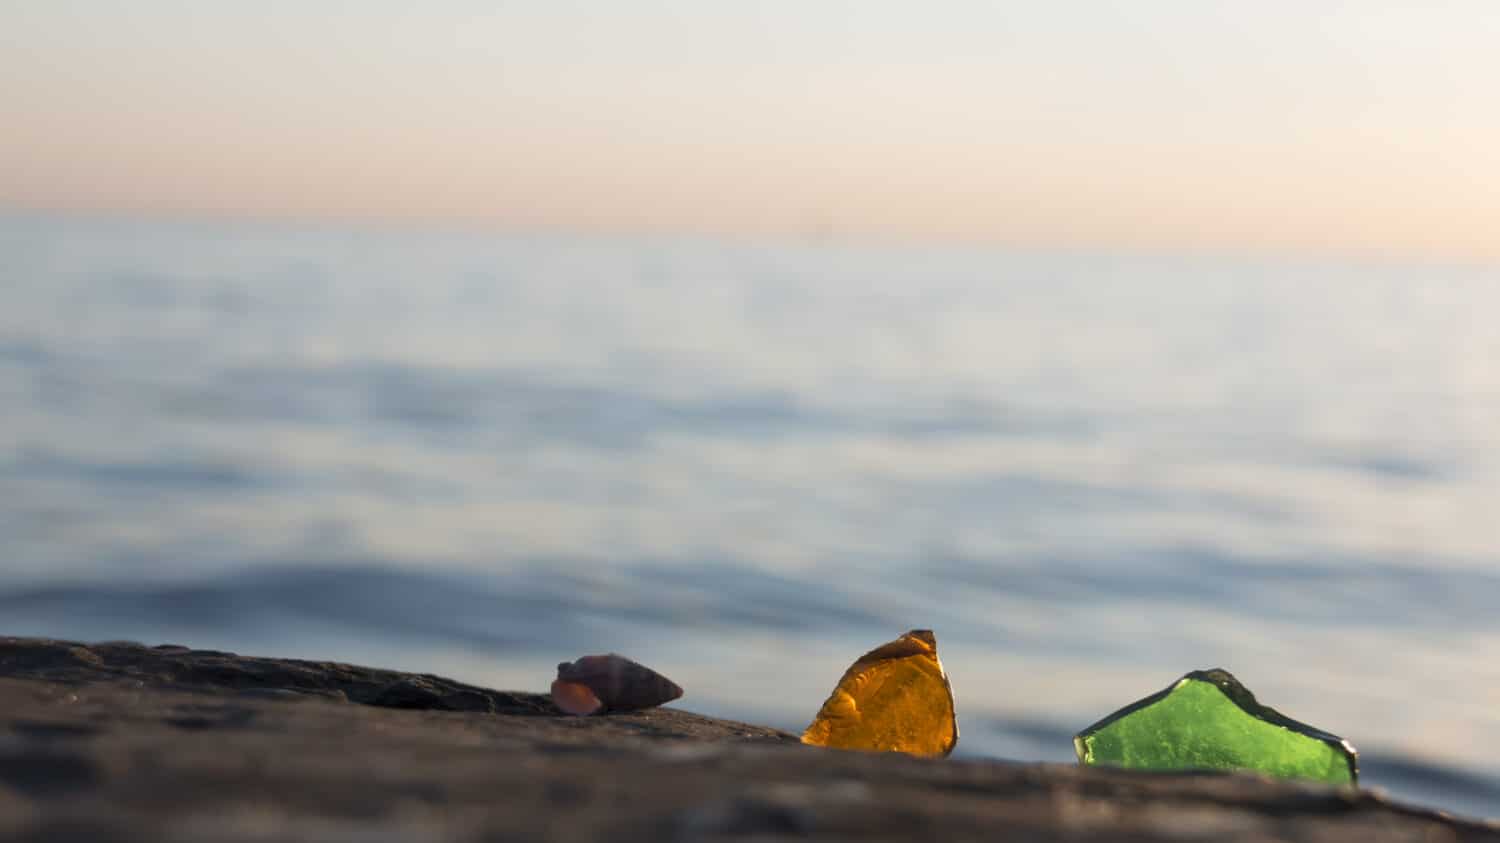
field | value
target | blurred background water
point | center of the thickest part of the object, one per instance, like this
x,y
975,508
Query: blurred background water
x,y
746,463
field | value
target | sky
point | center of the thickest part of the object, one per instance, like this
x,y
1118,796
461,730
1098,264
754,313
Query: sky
x,y
1361,127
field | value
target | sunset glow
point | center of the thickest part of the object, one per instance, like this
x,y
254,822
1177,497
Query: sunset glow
x,y
1363,128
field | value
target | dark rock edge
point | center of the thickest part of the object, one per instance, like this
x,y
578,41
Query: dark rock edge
x,y
119,741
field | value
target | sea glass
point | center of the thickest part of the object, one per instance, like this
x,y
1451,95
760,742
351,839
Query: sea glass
x,y
895,698
1207,720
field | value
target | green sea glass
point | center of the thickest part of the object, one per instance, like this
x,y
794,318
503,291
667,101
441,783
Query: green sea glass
x,y
1207,720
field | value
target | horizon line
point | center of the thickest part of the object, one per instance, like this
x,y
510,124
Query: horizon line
x,y
816,234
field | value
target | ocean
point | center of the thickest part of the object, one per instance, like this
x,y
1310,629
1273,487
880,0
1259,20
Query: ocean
x,y
746,462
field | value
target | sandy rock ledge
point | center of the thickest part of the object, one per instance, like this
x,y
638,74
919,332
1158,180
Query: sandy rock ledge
x,y
121,742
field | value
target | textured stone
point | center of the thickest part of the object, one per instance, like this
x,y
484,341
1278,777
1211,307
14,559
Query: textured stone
x,y
121,745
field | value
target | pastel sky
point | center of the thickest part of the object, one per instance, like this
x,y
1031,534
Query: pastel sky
x,y
1344,126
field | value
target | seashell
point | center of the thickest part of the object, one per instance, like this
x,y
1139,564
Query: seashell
x,y
575,698
595,684
895,698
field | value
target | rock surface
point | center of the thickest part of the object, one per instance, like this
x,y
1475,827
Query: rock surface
x,y
120,742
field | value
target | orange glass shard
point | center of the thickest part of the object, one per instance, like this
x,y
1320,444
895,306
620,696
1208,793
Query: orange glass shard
x,y
895,698
595,684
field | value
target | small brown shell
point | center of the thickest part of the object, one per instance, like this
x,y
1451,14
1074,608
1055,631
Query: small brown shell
x,y
610,682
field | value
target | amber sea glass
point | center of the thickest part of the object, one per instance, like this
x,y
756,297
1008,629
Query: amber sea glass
x,y
895,698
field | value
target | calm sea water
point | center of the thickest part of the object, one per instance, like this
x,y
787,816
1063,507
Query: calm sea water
x,y
746,464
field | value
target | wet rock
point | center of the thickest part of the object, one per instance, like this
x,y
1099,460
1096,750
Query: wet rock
x,y
127,743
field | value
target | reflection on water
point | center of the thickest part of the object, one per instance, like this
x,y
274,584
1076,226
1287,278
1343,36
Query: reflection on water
x,y
748,464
